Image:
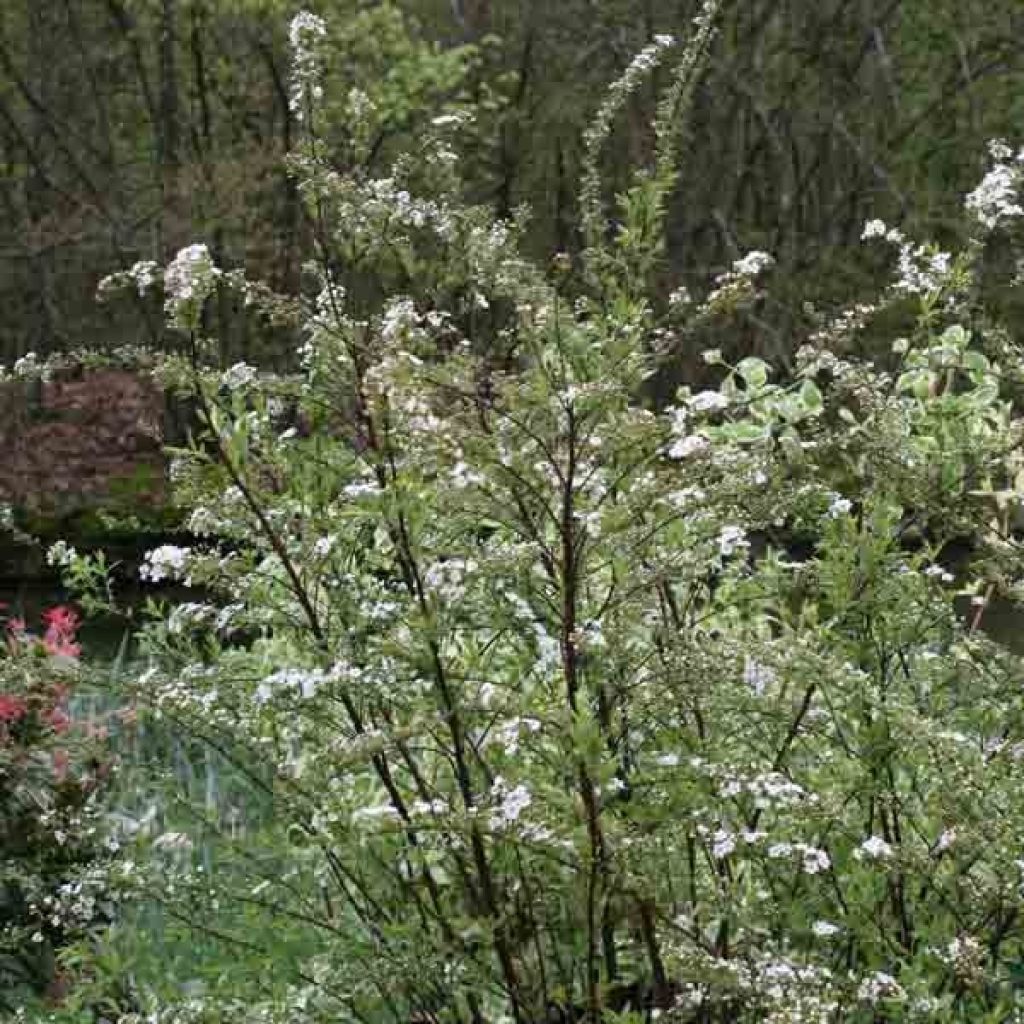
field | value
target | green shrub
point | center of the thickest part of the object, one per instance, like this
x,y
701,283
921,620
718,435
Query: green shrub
x,y
577,709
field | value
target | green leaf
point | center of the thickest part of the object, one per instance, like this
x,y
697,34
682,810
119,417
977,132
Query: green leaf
x,y
810,395
754,372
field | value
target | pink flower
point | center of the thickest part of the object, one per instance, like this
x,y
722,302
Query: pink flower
x,y
62,618
11,708
58,720
61,625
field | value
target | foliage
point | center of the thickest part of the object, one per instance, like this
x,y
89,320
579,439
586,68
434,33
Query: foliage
x,y
573,708
54,840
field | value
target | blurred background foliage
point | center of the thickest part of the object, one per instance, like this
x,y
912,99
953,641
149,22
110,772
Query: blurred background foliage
x,y
129,128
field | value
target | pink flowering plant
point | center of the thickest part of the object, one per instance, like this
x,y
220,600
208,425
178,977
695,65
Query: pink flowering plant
x,y
575,708
53,840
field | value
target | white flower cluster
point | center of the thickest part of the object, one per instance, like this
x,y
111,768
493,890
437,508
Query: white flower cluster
x,y
447,580
813,860
510,803
303,681
189,281
772,988
167,562
304,35
238,376
757,675
60,554
880,987
737,285
141,277
754,263
688,445
839,507
708,401
768,790
190,615
732,539
873,848
996,199
508,734
966,956
922,269
31,367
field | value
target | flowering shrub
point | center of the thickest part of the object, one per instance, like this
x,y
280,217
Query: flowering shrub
x,y
575,709
53,842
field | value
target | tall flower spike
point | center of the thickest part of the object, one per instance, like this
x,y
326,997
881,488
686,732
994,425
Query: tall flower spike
x,y
304,35
672,110
600,129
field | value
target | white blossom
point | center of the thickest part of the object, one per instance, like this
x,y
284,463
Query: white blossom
x,y
167,562
305,33
824,929
709,401
757,676
880,986
874,229
188,282
753,263
874,848
723,843
732,539
839,507
996,199
238,376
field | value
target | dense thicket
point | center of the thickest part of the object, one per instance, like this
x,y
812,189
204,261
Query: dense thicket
x,y
556,704
130,127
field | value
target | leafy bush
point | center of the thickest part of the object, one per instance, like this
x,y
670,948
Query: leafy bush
x,y
577,709
54,844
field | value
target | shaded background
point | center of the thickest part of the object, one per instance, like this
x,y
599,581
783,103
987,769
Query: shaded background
x,y
131,127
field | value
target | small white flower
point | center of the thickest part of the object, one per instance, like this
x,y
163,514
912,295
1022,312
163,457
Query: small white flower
x,y
680,299
238,376
687,446
188,281
723,843
824,929
753,263
874,229
879,986
166,562
61,554
732,539
874,848
512,805
173,841
996,197
839,507
322,547
815,861
757,676
709,401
